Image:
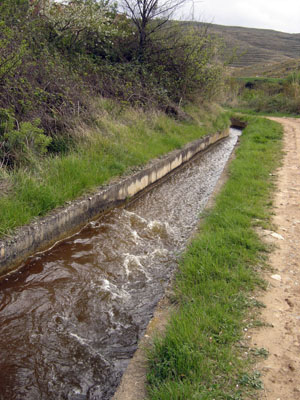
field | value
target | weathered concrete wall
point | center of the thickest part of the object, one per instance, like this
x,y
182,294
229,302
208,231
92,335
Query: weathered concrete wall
x,y
64,221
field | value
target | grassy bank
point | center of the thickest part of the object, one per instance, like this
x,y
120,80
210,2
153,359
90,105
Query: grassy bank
x,y
119,139
263,113
200,356
266,95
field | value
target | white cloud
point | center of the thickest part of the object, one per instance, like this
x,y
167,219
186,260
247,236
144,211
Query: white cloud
x,y
268,14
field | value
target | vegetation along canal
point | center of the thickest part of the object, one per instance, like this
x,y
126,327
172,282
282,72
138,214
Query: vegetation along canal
x,y
70,318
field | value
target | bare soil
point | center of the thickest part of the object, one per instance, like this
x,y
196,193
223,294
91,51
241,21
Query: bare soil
x,y
281,335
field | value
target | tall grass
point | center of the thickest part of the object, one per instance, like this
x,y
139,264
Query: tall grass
x,y
119,140
268,95
199,358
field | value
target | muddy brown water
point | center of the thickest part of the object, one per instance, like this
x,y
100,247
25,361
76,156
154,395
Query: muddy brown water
x,y
70,318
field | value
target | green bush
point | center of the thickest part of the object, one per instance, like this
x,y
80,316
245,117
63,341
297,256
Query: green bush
x,y
270,95
55,58
22,145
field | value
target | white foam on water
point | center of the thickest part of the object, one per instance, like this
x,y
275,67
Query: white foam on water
x,y
88,344
64,318
135,236
83,241
136,216
125,265
135,262
80,339
159,252
160,227
169,228
105,284
155,224
113,290
116,322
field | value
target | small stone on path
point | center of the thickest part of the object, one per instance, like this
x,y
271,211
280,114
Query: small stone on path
x,y
277,236
276,277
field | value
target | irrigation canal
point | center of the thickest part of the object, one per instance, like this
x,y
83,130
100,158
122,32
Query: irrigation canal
x,y
70,318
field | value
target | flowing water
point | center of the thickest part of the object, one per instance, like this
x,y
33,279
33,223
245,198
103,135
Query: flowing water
x,y
70,319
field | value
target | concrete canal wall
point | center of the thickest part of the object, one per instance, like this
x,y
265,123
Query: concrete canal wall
x,y
64,221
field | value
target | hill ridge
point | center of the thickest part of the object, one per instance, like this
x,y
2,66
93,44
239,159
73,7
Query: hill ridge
x,y
258,45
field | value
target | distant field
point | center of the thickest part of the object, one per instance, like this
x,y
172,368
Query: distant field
x,y
258,46
267,70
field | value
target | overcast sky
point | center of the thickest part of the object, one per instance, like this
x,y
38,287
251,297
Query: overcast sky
x,y
281,15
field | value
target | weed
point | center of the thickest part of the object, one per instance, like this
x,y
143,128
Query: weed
x,y
252,302
252,380
260,352
258,323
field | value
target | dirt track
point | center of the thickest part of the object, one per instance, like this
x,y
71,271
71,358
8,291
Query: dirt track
x,y
280,370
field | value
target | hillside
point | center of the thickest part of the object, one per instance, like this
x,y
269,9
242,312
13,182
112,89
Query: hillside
x,y
270,70
255,46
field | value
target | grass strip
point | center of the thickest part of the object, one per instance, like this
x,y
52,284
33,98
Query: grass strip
x,y
119,140
249,111
199,356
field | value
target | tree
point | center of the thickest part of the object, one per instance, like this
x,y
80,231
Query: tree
x,y
75,22
149,16
13,46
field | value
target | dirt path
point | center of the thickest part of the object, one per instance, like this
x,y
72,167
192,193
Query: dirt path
x,y
280,370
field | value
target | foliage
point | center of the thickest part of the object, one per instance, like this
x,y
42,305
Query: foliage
x,y
22,145
82,24
26,141
149,17
294,78
55,57
12,51
184,60
269,95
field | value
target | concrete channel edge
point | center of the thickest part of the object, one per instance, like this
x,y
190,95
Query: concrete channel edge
x,y
62,222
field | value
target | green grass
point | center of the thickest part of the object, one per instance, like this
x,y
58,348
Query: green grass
x,y
121,138
268,96
249,111
199,356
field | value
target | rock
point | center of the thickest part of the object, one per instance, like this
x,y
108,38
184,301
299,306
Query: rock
x,y
276,277
291,366
289,302
277,236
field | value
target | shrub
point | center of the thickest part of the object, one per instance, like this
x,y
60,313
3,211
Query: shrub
x,y
22,145
272,95
55,57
